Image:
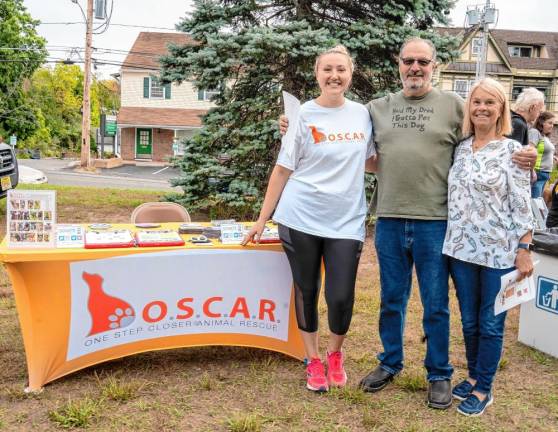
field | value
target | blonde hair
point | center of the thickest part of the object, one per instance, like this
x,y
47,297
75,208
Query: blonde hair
x,y
338,49
503,125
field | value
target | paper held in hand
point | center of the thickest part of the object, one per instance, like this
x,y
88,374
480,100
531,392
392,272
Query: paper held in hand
x,y
513,293
292,111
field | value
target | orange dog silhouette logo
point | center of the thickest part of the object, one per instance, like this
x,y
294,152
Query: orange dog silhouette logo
x,y
107,312
317,135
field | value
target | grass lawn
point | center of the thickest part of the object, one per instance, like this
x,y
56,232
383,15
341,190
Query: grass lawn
x,y
239,389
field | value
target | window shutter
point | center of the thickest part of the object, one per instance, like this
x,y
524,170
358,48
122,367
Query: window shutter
x,y
146,87
167,91
200,94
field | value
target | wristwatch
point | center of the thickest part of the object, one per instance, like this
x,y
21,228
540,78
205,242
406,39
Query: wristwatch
x,y
525,246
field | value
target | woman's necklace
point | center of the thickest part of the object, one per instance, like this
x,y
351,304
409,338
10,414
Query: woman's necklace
x,y
479,144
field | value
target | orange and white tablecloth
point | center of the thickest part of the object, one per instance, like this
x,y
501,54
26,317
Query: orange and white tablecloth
x,y
80,307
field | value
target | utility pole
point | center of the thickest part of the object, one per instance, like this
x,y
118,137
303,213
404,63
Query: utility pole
x,y
86,120
483,17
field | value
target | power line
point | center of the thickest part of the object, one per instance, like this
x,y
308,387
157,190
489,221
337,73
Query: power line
x,y
109,51
96,49
113,24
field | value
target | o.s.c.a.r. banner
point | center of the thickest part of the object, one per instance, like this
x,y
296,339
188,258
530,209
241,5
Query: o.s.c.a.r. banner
x,y
120,300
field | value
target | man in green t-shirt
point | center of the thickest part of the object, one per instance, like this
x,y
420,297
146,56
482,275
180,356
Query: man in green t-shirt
x,y
416,131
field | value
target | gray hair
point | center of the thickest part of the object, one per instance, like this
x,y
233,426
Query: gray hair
x,y
527,98
419,39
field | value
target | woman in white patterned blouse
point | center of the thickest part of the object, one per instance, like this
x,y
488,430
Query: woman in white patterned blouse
x,y
489,230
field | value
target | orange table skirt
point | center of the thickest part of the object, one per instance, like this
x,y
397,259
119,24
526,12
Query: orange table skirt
x,y
42,284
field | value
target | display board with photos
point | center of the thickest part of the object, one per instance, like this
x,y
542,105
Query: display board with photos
x,y
31,218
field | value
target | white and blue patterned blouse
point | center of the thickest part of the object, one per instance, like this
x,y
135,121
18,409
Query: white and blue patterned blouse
x,y
488,204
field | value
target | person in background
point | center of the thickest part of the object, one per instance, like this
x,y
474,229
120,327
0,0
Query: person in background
x,y
552,218
528,106
317,192
540,135
488,234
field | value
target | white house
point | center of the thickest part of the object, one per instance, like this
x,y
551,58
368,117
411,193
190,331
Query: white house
x,y
153,117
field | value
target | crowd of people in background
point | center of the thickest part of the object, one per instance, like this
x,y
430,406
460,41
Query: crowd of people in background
x,y
453,198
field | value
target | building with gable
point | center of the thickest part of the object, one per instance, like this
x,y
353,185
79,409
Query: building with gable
x,y
516,58
154,117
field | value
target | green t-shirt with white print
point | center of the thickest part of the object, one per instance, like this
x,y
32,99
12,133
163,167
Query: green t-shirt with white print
x,y
415,139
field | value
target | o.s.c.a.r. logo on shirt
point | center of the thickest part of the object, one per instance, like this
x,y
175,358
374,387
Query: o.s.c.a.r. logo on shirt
x,y
320,137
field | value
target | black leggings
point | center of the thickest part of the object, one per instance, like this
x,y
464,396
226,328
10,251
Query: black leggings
x,y
341,257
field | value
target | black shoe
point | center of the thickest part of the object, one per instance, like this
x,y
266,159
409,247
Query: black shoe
x,y
439,394
376,380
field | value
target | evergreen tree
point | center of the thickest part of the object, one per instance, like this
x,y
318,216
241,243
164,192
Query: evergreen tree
x,y
250,50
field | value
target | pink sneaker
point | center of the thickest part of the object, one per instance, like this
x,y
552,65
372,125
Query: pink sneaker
x,y
315,376
336,375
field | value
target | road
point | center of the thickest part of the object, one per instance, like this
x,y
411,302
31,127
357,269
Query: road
x,y
59,172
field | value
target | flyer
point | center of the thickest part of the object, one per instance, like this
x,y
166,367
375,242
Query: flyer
x,y
292,111
31,218
513,293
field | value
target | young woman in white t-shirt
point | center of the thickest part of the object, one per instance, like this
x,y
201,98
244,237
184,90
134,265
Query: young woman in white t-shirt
x,y
316,192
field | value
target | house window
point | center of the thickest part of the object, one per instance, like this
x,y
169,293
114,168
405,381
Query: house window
x,y
520,51
153,89
207,95
156,90
476,46
462,87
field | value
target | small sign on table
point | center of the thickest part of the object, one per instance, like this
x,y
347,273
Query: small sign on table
x,y
232,233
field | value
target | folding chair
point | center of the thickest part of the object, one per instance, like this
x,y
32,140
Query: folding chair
x,y
160,212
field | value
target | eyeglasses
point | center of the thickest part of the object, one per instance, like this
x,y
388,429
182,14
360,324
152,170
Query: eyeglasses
x,y
409,61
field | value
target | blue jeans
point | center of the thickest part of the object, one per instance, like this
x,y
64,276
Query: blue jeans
x,y
477,287
400,243
537,188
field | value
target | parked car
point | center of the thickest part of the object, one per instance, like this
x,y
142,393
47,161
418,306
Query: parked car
x,y
31,175
9,173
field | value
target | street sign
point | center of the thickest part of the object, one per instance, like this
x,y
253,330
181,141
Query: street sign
x,y
13,140
110,125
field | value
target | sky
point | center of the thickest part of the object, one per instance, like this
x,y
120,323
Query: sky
x,y
534,15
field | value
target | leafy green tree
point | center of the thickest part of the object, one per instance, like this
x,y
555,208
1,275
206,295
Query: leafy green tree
x,y
107,95
57,93
251,50
21,52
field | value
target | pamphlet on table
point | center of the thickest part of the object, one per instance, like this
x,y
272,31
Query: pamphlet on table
x,y
109,239
158,238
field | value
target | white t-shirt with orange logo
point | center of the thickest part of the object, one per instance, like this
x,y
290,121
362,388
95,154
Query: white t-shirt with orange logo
x,y
324,195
